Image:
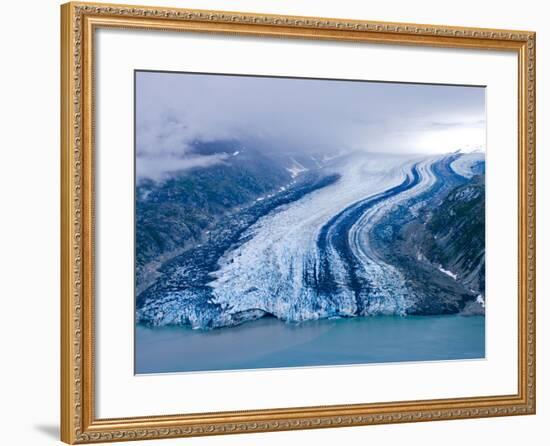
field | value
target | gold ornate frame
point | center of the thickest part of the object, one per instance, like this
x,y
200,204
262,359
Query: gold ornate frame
x,y
78,422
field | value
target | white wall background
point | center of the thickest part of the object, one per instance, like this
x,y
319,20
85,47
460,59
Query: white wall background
x,y
29,222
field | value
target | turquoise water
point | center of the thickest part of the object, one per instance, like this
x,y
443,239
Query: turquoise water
x,y
270,343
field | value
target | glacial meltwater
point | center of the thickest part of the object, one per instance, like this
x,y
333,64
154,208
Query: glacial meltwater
x,y
270,343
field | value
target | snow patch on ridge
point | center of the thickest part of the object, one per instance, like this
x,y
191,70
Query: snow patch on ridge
x,y
449,273
296,168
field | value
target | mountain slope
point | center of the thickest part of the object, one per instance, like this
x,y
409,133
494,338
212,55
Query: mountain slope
x,y
174,214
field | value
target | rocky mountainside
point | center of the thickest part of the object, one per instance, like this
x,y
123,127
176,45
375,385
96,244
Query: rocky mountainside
x,y
175,214
455,235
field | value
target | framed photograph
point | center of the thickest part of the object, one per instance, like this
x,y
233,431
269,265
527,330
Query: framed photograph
x,y
276,223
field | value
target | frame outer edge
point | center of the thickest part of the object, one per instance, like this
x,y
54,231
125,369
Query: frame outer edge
x,y
531,109
69,349
527,223
76,399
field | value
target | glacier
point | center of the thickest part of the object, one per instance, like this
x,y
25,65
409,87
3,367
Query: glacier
x,y
319,247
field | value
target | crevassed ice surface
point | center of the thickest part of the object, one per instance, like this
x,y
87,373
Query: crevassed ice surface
x,y
270,271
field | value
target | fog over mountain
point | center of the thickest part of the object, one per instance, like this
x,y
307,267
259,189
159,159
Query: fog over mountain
x,y
175,110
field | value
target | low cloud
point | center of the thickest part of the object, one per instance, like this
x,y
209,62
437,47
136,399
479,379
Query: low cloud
x,y
164,147
158,168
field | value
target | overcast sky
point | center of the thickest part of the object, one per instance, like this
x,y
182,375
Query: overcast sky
x,y
298,115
